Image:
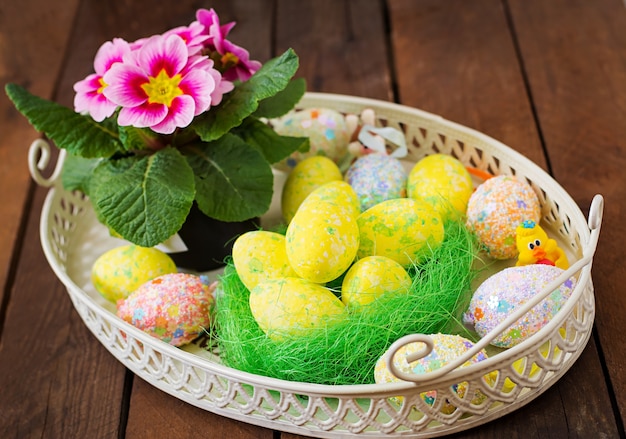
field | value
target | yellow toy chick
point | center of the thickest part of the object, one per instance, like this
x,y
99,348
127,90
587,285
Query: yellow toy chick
x,y
536,248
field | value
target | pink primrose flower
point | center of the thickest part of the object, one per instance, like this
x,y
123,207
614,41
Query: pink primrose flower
x,y
90,97
193,36
233,61
159,87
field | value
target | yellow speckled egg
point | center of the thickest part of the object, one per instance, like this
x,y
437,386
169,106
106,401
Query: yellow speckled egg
x,y
291,306
322,241
443,181
120,271
260,255
339,193
307,176
402,229
372,277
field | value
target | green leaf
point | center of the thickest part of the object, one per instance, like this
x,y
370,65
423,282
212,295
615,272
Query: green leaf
x,y
79,135
144,199
272,145
283,101
234,182
135,139
77,172
240,103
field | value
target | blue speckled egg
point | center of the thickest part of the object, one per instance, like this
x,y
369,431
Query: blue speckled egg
x,y
376,178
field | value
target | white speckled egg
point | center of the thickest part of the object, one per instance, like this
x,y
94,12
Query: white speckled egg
x,y
291,307
173,308
260,255
504,292
402,229
376,178
495,210
121,270
326,129
446,349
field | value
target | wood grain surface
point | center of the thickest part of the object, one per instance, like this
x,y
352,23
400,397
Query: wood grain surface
x,y
546,77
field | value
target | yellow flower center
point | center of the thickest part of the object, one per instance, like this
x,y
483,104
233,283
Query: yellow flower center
x,y
229,60
162,89
102,85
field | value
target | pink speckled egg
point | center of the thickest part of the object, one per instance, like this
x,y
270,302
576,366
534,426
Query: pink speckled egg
x,y
495,210
504,292
173,308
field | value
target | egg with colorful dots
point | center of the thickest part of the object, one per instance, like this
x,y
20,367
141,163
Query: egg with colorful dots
x,y
508,290
325,128
495,210
121,270
174,308
444,182
376,178
446,348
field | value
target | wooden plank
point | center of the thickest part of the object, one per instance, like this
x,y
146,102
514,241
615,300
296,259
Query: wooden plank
x,y
33,36
575,55
458,60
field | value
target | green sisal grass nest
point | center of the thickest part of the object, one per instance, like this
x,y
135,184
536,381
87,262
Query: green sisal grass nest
x,y
346,353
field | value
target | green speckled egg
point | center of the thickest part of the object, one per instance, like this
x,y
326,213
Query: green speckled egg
x,y
261,255
120,271
289,307
401,229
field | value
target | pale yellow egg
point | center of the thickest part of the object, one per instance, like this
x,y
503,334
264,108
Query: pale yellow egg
x,y
307,176
373,277
120,271
444,182
402,229
260,255
292,307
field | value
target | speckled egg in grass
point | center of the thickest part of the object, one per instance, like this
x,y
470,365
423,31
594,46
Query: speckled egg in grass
x,y
326,129
373,277
260,255
504,292
338,193
173,308
495,210
308,175
402,229
446,349
376,178
292,307
121,270
444,182
321,240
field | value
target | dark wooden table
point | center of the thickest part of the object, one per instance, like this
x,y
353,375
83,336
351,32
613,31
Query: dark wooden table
x,y
546,77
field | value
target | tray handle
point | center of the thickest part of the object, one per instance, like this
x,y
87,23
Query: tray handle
x,y
594,221
38,160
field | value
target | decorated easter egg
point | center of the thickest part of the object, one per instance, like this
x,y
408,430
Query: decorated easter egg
x,y
292,307
338,193
173,308
402,229
446,349
121,270
322,240
495,210
372,277
376,178
326,129
307,176
444,182
260,255
506,291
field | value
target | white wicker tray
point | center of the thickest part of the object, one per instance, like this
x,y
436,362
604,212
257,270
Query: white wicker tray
x,y
72,239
